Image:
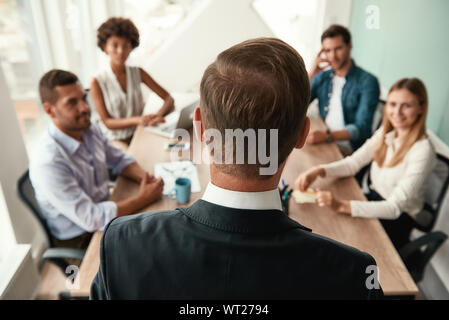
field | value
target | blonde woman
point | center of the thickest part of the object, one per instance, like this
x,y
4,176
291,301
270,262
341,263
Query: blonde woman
x,y
116,91
401,158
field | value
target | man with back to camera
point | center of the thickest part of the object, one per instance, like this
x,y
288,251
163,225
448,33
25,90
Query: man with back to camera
x,y
347,94
236,242
69,170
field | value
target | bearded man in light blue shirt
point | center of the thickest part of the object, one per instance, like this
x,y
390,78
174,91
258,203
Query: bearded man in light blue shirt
x,y
69,170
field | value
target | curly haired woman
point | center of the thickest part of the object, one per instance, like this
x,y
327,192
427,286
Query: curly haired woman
x,y
116,91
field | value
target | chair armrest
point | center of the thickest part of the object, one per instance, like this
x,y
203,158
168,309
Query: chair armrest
x,y
63,253
432,240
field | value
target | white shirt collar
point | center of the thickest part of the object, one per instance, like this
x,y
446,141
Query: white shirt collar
x,y
266,200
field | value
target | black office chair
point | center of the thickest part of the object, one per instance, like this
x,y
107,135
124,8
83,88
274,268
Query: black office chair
x,y
417,253
437,186
52,254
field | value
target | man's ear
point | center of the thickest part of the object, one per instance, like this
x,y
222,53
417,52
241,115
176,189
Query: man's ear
x,y
304,133
198,124
49,109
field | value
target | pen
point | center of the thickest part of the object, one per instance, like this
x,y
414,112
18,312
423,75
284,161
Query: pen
x,y
287,194
284,188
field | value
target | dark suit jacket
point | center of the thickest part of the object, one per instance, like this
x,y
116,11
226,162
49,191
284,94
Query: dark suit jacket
x,y
208,251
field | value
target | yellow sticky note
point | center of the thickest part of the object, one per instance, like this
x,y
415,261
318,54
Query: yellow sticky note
x,y
308,196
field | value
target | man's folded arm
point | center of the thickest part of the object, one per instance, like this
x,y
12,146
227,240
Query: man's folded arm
x,y
62,191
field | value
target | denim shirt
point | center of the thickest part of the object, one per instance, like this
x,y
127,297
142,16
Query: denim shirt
x,y
360,96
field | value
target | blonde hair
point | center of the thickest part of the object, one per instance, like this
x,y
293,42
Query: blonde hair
x,y
418,130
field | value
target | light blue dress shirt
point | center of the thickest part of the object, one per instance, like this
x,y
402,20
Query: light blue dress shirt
x,y
71,180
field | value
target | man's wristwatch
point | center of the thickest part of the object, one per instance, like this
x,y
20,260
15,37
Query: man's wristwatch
x,y
329,137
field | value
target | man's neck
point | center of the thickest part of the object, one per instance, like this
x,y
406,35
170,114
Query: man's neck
x,y
231,182
75,134
343,71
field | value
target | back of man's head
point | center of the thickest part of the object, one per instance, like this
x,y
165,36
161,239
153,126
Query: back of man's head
x,y
257,84
51,80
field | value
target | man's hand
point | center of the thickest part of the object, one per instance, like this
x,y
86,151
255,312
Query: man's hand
x,y
326,199
304,180
316,136
315,69
150,188
150,191
151,120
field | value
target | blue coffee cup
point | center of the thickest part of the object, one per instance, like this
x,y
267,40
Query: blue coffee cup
x,y
181,191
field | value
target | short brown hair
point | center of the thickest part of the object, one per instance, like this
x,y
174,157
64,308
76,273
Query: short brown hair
x,y
119,27
52,79
257,84
336,30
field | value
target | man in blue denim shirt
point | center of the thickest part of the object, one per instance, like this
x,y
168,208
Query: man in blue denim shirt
x,y
347,95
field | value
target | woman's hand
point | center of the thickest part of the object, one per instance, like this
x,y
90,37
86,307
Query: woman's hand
x,y
307,178
151,120
326,199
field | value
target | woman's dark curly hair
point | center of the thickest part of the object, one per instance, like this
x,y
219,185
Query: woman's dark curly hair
x,y
119,27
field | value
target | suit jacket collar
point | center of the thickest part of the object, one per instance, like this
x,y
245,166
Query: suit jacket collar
x,y
240,220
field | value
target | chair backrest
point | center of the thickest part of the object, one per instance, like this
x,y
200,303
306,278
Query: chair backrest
x,y
377,117
27,195
437,185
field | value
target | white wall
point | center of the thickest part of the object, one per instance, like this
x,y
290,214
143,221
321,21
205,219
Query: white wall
x,y
19,278
66,34
337,12
13,163
214,26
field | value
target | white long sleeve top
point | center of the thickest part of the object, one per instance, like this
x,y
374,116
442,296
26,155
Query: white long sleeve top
x,y
402,187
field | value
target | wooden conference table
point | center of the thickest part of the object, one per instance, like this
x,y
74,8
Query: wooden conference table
x,y
365,234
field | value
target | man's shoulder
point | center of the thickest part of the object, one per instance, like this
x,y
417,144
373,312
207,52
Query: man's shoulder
x,y
338,264
46,152
322,76
365,76
95,130
133,227
331,248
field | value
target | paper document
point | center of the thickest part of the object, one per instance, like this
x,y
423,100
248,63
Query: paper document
x,y
308,196
170,171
